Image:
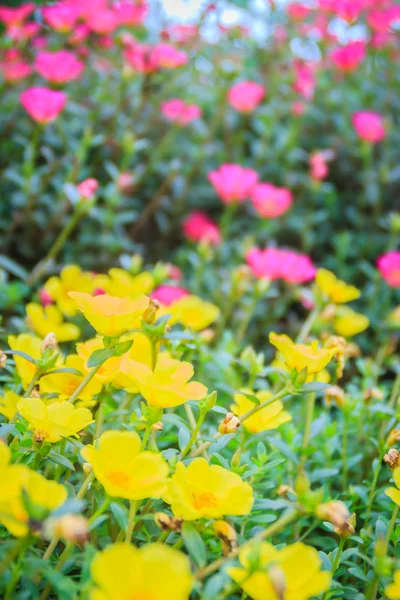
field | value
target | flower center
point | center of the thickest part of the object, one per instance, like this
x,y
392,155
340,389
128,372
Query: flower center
x,y
119,478
205,500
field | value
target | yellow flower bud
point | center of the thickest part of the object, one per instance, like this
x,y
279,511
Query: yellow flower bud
x,y
230,424
3,360
227,535
49,342
167,522
392,458
337,513
71,528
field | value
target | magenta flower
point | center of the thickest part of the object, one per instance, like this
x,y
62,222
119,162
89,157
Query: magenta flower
x,y
62,16
42,104
15,70
271,201
167,56
369,126
167,294
348,58
58,67
198,227
102,21
246,96
274,263
389,267
16,16
130,13
178,111
88,187
233,183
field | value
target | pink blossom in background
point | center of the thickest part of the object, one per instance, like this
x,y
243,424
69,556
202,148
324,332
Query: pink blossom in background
x,y
102,21
349,57
182,33
380,20
174,272
298,108
126,182
16,16
79,34
167,56
318,165
274,263
349,10
246,96
40,42
140,58
44,297
369,126
198,227
15,70
271,201
389,267
167,294
305,82
58,67
130,12
233,183
43,104
62,16
24,32
178,111
88,187
297,11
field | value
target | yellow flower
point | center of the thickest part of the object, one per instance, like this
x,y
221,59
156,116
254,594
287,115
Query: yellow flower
x,y
293,573
265,419
191,312
394,493
302,356
122,284
16,480
123,469
44,320
31,345
109,370
203,490
71,278
8,404
52,422
110,315
392,591
152,572
349,323
168,385
65,384
335,290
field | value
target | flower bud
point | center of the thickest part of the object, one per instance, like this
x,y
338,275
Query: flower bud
x,y
230,424
392,458
149,315
284,490
277,579
3,360
337,513
158,426
87,468
227,535
70,528
49,342
167,522
335,394
372,394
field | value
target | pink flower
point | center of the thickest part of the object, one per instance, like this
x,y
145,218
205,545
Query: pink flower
x,y
304,80
62,16
198,227
15,70
369,126
88,187
140,57
102,21
42,104
58,67
182,33
380,20
21,33
174,272
16,16
273,263
45,298
297,11
246,96
168,57
79,34
126,182
318,164
349,57
271,201
233,183
130,13
177,111
389,267
167,294
298,108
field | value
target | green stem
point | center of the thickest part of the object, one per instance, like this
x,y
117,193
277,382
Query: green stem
x,y
373,589
85,381
194,435
14,552
344,449
374,482
131,520
337,561
307,429
307,325
33,383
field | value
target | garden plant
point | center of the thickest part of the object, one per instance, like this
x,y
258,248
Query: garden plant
x,y
200,307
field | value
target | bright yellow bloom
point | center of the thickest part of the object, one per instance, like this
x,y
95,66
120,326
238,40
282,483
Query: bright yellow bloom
x,y
394,493
52,422
8,404
17,480
65,384
349,323
31,345
109,315
109,370
203,490
191,312
302,356
335,290
48,319
123,469
293,573
270,417
152,572
121,283
71,278
168,385
392,591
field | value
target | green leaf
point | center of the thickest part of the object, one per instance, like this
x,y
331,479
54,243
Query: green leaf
x,y
314,386
100,356
12,267
194,544
122,348
59,459
65,370
251,397
22,354
120,513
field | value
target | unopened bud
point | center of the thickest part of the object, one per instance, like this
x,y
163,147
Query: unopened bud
x,y
284,490
149,315
207,335
3,360
393,437
337,513
392,458
71,528
49,342
335,394
227,535
277,579
158,426
168,523
372,394
87,468
39,436
230,424
236,458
